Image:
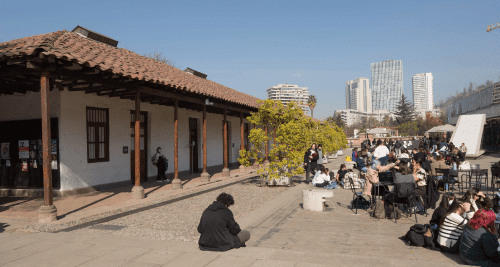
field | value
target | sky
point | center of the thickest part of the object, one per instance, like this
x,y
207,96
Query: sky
x,y
253,45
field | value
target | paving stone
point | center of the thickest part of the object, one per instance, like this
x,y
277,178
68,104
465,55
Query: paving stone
x,y
28,250
273,263
158,257
230,261
194,259
42,260
139,264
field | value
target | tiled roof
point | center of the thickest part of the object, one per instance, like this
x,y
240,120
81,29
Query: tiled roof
x,y
73,47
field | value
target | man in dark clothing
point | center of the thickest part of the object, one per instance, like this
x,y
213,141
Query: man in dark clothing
x,y
219,231
311,161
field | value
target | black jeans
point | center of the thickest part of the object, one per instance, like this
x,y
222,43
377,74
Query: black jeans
x,y
313,167
322,184
161,174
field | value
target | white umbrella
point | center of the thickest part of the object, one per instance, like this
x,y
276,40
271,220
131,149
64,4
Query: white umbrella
x,y
446,128
433,129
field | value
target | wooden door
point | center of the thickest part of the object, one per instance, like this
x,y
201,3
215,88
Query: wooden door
x,y
143,148
193,145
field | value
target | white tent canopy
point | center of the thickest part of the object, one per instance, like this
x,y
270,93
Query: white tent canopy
x,y
442,129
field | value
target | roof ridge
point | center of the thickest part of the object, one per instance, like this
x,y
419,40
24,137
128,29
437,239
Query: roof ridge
x,y
48,42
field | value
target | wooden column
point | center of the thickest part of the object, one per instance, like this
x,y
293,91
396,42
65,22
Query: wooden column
x,y
205,177
176,183
137,190
225,171
47,212
242,144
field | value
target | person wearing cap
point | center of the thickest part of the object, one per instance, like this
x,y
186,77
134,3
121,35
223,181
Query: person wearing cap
x,y
372,175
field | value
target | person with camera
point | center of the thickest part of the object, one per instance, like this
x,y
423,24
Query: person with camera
x,y
452,225
311,157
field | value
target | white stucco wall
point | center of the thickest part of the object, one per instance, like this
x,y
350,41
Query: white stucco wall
x,y
27,106
77,173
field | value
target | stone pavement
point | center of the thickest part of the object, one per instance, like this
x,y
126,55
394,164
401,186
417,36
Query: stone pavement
x,y
282,235
18,212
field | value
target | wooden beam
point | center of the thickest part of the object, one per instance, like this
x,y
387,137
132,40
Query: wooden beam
x,y
46,143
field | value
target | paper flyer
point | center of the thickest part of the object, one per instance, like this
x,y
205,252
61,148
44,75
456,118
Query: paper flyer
x,y
7,163
24,149
25,166
53,143
54,164
5,150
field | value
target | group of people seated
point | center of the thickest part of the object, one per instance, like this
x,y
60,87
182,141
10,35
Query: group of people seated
x,y
469,226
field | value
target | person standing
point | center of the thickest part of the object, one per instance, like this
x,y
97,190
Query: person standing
x,y
161,163
397,147
311,161
463,149
320,156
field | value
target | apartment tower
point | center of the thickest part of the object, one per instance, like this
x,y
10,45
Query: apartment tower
x,y
387,84
358,95
423,92
290,92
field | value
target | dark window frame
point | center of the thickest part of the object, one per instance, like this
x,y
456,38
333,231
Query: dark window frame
x,y
96,119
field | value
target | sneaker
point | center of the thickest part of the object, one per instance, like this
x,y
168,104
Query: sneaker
x,y
159,181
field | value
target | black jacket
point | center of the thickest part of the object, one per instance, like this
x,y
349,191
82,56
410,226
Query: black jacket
x,y
432,194
308,153
218,229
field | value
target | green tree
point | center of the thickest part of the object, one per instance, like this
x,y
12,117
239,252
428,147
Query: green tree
x,y
294,134
404,111
408,128
311,102
337,119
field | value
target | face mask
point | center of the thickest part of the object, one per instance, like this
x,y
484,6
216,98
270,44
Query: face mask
x,y
451,201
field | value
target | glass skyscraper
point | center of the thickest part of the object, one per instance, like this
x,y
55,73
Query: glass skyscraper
x,y
387,84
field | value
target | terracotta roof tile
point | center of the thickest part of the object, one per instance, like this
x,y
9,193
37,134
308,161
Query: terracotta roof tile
x,y
73,47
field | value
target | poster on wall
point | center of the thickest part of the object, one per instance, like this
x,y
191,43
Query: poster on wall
x,y
53,143
5,150
25,166
54,164
24,149
33,152
7,163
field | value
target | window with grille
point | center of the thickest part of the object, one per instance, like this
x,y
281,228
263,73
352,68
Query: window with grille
x,y
97,134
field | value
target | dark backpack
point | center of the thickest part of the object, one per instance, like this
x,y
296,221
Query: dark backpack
x,y
419,235
379,210
361,203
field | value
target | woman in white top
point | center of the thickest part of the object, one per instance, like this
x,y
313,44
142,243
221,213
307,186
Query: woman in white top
x,y
452,225
323,179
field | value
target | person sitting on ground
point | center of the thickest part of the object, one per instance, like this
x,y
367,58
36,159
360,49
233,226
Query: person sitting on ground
x,y
219,231
440,211
496,164
372,175
341,173
477,199
323,179
478,244
420,154
439,164
452,225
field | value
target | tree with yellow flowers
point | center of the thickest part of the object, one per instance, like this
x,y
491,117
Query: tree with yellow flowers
x,y
291,134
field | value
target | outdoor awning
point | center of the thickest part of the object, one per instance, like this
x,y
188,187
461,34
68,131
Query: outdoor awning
x,y
442,129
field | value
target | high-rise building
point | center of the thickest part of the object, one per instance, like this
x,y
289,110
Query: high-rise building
x,y
290,92
358,95
387,84
422,92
